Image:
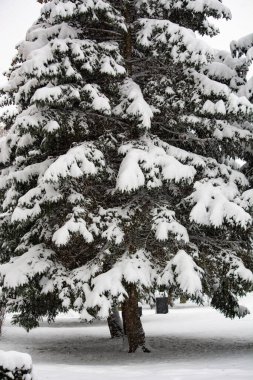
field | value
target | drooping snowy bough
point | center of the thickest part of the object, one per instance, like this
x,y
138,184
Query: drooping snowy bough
x,y
118,170
15,365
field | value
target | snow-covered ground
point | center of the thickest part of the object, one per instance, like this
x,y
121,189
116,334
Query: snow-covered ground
x,y
193,343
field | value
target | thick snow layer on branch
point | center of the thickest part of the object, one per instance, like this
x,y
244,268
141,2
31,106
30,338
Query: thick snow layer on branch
x,y
232,103
52,126
10,196
29,119
212,7
224,130
108,286
25,174
74,225
210,87
58,94
214,108
201,6
182,43
133,104
182,155
133,268
5,150
247,89
215,203
220,71
183,271
246,199
22,214
98,101
238,269
243,46
150,165
61,10
41,51
164,223
109,223
19,270
28,206
81,160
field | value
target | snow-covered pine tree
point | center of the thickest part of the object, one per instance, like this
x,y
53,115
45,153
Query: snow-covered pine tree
x,y
114,176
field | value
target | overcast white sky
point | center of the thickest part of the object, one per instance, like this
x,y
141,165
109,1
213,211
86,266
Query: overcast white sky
x,y
17,15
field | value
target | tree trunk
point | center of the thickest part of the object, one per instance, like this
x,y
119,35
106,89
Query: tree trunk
x,y
115,324
171,297
132,322
183,298
2,315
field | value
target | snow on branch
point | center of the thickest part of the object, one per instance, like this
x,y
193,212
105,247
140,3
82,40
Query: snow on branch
x,y
109,286
97,100
60,10
25,174
133,104
150,165
220,71
60,95
243,46
109,223
81,160
182,271
224,130
166,37
42,64
19,270
5,149
247,89
132,268
75,224
213,8
182,155
28,206
246,199
215,203
22,214
165,223
237,269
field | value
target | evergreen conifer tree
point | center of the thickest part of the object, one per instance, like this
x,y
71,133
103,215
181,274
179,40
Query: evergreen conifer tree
x,y
115,176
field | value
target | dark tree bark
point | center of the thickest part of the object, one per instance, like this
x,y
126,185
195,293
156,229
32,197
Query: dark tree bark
x,y
2,315
183,299
115,324
132,322
171,297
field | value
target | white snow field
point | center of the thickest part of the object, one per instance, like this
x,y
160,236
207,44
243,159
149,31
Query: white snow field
x,y
193,343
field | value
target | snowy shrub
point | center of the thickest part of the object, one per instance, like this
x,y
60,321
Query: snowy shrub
x,y
15,366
